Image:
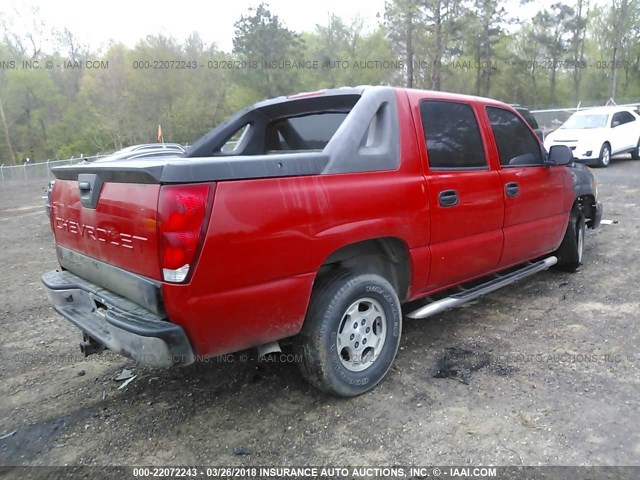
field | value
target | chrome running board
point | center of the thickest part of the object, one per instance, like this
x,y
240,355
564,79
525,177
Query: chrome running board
x,y
498,281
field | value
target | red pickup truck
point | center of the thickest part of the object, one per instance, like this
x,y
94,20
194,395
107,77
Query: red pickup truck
x,y
310,219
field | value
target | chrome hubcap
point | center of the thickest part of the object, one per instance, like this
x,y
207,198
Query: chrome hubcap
x,y
361,334
605,156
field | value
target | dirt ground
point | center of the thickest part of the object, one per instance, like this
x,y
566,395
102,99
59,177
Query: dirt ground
x,y
561,388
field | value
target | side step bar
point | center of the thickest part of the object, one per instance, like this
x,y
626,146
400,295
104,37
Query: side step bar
x,y
498,281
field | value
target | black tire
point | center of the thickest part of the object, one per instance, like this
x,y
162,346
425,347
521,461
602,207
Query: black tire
x,y
375,317
635,154
605,156
572,247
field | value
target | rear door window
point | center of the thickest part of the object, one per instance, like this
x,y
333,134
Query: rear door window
x,y
452,135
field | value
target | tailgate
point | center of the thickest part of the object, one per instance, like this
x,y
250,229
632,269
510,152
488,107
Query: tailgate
x,y
115,223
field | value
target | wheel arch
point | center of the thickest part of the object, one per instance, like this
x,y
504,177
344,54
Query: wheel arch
x,y
586,204
599,160
387,256
583,194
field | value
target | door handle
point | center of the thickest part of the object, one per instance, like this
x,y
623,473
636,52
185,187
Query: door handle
x,y
89,185
448,198
512,189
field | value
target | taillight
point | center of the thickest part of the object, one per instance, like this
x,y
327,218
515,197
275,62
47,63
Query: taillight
x,y
181,212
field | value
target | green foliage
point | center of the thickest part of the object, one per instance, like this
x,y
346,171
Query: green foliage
x,y
262,38
579,52
405,26
344,55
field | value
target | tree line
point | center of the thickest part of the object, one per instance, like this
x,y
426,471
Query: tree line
x,y
60,103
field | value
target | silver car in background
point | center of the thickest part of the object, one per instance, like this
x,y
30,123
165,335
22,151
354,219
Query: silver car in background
x,y
127,153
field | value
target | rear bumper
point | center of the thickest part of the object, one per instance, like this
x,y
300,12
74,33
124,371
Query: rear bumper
x,y
117,323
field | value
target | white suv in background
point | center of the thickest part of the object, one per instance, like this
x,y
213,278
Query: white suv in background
x,y
596,134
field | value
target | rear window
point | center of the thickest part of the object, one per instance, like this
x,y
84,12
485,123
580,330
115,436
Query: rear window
x,y
308,132
305,124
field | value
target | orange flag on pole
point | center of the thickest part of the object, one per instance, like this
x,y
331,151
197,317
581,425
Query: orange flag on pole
x,y
160,137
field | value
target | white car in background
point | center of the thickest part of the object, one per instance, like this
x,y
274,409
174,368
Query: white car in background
x,y
596,134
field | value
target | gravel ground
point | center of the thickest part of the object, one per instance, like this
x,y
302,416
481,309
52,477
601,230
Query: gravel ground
x,y
561,387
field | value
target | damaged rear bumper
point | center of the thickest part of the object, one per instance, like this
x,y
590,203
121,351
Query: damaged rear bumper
x,y
116,322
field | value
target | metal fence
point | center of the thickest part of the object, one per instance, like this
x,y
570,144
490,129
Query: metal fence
x,y
37,169
551,118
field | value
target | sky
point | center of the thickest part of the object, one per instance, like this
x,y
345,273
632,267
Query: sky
x,y
95,22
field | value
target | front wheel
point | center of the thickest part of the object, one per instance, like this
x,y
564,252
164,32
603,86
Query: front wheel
x,y
572,247
605,156
351,333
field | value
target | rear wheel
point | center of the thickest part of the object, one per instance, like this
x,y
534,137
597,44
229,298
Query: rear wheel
x,y
635,154
572,247
351,333
605,156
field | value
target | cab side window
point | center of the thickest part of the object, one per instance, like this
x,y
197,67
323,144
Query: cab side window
x,y
452,136
627,117
517,146
621,118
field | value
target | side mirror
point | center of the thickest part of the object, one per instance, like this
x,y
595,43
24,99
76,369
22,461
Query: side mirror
x,y
559,155
615,123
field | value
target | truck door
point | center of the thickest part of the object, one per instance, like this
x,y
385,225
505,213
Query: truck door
x,y
465,194
534,220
